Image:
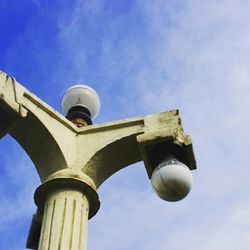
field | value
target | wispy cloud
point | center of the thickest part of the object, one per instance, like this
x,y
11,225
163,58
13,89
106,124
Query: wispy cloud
x,y
197,61
153,56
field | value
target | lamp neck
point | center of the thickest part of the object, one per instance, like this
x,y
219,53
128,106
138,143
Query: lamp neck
x,y
80,116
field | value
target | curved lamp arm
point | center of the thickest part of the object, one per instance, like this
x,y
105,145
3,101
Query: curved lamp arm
x,y
54,143
39,129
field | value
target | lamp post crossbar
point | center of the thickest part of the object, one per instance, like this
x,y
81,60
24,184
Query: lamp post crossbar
x,y
72,162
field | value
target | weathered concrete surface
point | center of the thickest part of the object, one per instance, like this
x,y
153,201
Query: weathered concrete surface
x,y
54,143
61,151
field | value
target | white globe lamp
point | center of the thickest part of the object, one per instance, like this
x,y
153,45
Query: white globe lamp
x,y
81,102
171,180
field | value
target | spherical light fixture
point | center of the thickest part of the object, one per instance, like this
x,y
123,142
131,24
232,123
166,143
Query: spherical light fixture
x,y
81,104
172,180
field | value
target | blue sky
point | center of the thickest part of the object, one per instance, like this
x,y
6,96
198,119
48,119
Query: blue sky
x,y
141,57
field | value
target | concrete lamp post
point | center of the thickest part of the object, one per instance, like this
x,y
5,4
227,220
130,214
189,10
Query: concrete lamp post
x,y
73,158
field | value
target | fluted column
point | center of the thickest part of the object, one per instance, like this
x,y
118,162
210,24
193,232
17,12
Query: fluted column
x,y
66,201
65,221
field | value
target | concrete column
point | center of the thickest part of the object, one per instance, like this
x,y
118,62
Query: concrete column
x,y
65,219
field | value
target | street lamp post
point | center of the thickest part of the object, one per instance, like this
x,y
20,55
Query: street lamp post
x,y
73,159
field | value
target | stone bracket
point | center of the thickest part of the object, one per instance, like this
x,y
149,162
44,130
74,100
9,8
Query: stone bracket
x,y
156,145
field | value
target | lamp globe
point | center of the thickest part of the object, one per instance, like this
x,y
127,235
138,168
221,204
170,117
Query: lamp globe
x,y
81,101
171,180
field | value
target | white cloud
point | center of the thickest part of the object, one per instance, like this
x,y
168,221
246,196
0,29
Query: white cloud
x,y
163,55
199,60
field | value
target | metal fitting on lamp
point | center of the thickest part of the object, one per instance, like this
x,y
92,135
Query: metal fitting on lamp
x,y
79,115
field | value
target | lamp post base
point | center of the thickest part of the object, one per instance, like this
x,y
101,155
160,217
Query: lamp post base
x,y
65,221
65,203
